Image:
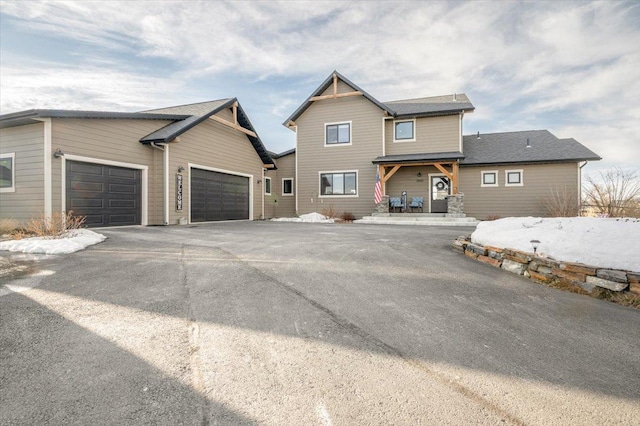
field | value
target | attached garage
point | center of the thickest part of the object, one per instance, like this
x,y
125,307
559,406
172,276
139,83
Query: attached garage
x,y
219,196
107,195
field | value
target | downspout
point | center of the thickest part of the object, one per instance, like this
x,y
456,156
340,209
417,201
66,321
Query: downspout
x,y
580,186
165,202
262,193
48,173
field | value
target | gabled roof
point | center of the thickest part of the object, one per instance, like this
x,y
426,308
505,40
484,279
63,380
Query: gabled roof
x,y
420,107
197,114
324,86
511,147
433,105
31,116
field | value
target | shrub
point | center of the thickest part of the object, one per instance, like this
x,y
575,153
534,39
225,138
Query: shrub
x,y
493,217
561,202
55,227
7,226
329,212
348,217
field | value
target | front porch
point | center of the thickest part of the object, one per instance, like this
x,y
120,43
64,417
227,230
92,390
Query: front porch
x,y
424,183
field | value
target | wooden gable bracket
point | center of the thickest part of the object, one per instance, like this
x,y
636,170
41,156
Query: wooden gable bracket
x,y
385,176
443,170
233,126
453,175
335,94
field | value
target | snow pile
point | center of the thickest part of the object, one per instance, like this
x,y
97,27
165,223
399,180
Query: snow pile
x,y
72,241
309,217
607,243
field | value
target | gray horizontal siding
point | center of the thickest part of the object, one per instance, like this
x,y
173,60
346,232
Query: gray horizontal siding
x,y
432,134
286,205
313,156
524,200
27,142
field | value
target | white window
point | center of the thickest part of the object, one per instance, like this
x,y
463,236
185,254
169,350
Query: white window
x,y
8,172
404,131
267,186
287,186
337,133
513,178
339,184
489,178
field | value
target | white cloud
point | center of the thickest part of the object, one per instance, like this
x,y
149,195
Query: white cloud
x,y
575,64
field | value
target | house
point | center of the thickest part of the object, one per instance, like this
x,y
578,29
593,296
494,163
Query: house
x,y
346,139
193,163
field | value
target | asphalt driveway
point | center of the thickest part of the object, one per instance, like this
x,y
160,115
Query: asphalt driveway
x,y
292,324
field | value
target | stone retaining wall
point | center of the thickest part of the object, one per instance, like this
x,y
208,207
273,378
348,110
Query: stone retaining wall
x,y
549,270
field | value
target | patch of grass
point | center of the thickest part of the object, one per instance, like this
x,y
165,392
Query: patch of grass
x,y
621,297
55,227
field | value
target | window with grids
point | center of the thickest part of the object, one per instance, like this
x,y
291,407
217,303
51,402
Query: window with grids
x,y
339,133
338,183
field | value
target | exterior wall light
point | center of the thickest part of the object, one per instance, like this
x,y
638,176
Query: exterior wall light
x,y
58,153
180,169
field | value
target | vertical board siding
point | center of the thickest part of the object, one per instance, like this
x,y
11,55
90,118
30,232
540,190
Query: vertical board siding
x,y
313,156
432,134
214,145
525,200
27,142
286,205
108,139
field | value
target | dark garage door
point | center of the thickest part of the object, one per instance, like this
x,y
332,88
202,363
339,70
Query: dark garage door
x,y
218,196
106,195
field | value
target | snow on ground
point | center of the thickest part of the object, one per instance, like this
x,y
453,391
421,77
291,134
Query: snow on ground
x,y
309,217
72,241
607,243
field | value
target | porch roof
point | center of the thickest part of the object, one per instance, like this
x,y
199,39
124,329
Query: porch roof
x,y
418,158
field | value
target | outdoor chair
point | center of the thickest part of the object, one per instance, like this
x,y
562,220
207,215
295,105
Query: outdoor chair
x,y
417,203
395,203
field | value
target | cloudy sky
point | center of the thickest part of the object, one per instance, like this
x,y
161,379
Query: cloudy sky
x,y
570,67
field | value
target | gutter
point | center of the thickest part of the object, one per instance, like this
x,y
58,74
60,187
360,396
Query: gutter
x,y
165,181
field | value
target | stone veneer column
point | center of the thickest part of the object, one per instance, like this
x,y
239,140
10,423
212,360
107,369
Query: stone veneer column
x,y
383,206
455,206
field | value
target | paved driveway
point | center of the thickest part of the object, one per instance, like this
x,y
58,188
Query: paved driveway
x,y
295,324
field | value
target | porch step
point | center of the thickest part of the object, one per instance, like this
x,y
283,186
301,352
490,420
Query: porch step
x,y
424,219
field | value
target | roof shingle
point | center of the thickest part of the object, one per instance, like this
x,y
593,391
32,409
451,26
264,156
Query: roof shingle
x,y
511,147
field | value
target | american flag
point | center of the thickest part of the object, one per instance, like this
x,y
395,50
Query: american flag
x,y
378,192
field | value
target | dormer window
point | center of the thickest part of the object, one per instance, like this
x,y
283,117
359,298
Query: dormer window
x,y
404,131
338,133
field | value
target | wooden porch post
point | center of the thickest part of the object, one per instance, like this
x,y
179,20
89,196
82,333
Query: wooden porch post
x,y
454,166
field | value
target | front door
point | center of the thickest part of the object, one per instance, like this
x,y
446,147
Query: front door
x,y
440,188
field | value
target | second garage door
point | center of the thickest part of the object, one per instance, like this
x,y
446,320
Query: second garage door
x,y
106,195
218,196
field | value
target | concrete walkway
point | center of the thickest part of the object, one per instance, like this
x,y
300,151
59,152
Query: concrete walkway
x,y
288,323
